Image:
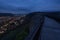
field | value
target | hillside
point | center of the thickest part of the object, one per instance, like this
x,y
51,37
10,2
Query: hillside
x,y
6,14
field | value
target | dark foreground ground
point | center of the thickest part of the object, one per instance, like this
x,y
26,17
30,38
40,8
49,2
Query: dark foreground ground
x,y
34,26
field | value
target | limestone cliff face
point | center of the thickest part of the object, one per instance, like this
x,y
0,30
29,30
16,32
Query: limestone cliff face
x,y
44,22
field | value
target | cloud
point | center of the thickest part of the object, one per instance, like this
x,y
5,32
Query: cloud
x,y
29,5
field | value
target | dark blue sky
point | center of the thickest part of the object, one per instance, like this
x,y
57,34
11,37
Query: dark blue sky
x,y
26,6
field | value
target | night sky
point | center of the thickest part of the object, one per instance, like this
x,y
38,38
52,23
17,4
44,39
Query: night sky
x,y
27,6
